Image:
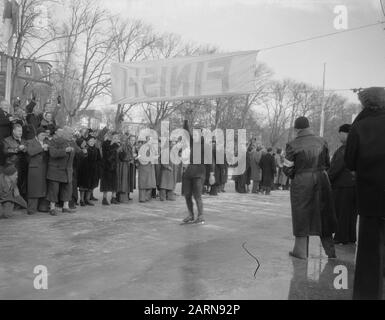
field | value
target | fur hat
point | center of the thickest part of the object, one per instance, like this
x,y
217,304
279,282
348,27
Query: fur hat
x,y
373,98
302,123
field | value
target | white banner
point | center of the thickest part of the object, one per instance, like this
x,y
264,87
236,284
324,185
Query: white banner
x,y
184,78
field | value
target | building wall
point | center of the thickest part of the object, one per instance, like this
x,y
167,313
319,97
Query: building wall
x,y
33,80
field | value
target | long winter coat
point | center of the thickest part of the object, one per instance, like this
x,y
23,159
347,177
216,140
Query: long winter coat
x,y
88,174
268,167
125,159
109,181
133,152
365,154
168,176
256,172
345,197
307,159
37,170
147,178
60,163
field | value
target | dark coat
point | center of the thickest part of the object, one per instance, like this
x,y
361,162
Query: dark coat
x,y
5,125
268,167
365,155
125,159
340,176
109,181
60,163
17,158
307,159
88,173
37,170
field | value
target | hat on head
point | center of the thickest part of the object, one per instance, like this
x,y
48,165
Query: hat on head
x,y
345,128
302,123
40,130
10,170
372,98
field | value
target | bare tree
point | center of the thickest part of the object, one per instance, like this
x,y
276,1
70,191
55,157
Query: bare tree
x,y
87,54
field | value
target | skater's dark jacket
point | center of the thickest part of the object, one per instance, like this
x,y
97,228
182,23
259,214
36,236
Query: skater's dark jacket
x,y
365,155
196,170
307,159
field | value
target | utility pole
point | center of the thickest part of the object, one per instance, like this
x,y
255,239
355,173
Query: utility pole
x,y
322,130
8,79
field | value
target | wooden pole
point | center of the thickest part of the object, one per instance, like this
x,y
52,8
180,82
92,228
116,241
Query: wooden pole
x,y
322,130
8,79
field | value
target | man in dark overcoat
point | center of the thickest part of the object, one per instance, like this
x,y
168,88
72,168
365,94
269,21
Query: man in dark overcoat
x,y
60,170
37,150
15,151
365,155
256,172
307,159
344,193
268,167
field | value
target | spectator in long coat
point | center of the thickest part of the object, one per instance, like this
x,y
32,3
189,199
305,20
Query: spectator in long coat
x,y
133,153
268,167
168,180
256,172
279,161
313,214
15,151
5,120
37,150
9,193
109,181
60,170
365,155
147,179
222,169
88,178
79,146
5,129
125,157
344,193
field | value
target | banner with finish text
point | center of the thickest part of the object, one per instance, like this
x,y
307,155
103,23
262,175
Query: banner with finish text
x,y
184,78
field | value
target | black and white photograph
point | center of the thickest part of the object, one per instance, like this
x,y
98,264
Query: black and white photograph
x,y
205,152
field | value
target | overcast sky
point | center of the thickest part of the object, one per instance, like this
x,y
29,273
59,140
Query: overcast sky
x,y
355,59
